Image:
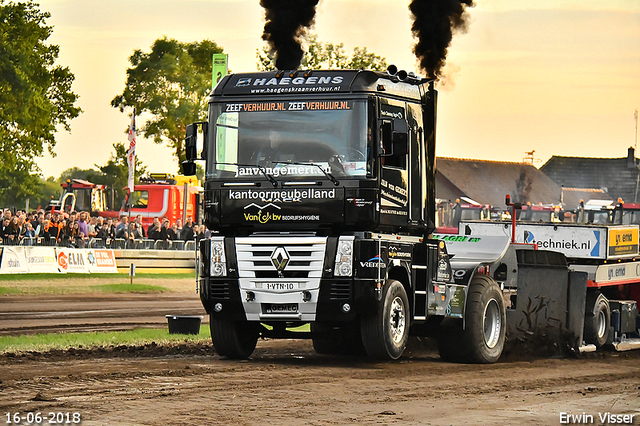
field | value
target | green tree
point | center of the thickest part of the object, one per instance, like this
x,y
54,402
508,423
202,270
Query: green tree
x,y
115,173
171,82
35,97
90,175
48,189
327,56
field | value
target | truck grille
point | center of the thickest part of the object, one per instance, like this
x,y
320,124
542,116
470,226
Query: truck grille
x,y
305,256
340,291
219,290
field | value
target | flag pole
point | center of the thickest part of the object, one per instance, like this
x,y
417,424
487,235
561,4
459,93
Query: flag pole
x,y
131,159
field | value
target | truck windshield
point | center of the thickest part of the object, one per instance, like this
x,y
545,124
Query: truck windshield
x,y
284,137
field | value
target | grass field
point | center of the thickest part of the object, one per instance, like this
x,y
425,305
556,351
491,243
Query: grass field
x,y
17,284
35,284
138,337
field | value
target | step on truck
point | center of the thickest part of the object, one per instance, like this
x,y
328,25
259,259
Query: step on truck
x,y
319,187
608,255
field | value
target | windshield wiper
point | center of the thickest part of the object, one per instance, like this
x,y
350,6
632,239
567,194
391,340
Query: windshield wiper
x,y
270,178
329,176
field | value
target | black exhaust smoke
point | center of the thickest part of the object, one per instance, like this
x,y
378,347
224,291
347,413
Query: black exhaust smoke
x,y
287,21
434,24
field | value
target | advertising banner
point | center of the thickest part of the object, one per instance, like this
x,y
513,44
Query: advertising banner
x,y
13,260
41,260
102,261
72,260
44,260
220,68
575,241
623,241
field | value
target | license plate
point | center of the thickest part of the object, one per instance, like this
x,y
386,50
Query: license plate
x,y
286,308
280,286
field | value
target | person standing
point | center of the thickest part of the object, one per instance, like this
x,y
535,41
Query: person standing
x,y
187,230
140,227
122,224
154,230
82,225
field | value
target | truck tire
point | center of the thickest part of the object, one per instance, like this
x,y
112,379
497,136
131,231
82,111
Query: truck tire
x,y
233,339
482,340
385,334
597,319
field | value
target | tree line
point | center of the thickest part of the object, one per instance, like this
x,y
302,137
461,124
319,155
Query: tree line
x,y
169,83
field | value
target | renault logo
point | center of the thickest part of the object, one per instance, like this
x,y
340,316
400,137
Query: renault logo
x,y
280,258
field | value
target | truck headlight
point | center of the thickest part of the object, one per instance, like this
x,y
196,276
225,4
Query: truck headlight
x,y
218,258
344,257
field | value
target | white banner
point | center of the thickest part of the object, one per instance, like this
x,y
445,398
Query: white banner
x,y
131,152
13,260
72,260
102,261
41,260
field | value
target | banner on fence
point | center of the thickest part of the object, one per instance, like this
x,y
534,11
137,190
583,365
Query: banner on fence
x,y
72,260
41,260
13,261
102,261
20,260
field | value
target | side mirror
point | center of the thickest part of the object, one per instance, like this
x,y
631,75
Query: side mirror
x,y
394,138
188,168
190,142
386,140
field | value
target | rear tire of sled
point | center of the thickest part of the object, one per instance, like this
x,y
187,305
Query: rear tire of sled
x,y
596,319
234,339
482,340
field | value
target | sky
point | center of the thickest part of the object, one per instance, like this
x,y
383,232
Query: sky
x,y
558,77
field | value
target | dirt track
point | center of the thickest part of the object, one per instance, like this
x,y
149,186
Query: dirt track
x,y
92,312
286,383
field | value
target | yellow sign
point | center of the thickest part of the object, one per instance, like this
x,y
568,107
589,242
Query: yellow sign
x,y
623,241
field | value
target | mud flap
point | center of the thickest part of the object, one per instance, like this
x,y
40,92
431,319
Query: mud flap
x,y
576,307
548,311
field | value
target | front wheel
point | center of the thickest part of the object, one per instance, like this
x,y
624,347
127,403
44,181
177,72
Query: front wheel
x,y
234,339
385,333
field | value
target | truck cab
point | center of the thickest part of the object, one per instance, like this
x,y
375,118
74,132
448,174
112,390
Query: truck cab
x,y
161,195
80,195
319,187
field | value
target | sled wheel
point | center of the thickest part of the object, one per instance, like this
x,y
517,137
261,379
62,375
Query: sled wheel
x,y
233,339
482,340
485,321
597,319
385,333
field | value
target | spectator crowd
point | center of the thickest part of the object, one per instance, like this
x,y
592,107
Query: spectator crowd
x,y
80,229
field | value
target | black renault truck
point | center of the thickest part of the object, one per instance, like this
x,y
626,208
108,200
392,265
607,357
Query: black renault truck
x,y
320,191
